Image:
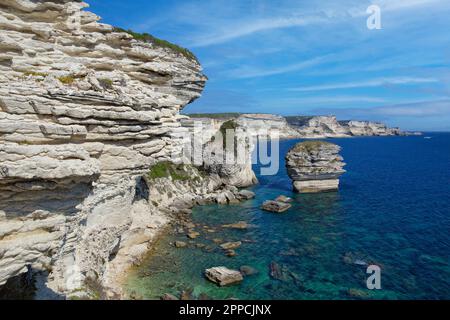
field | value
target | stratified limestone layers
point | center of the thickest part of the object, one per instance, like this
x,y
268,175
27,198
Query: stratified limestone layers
x,y
315,166
84,113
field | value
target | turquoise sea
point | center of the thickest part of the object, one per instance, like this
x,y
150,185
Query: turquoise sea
x,y
392,210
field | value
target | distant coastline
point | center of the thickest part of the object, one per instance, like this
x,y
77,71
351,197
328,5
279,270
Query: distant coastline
x,y
292,127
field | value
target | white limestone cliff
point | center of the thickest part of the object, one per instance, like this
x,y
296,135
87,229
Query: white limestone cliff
x,y
85,113
315,166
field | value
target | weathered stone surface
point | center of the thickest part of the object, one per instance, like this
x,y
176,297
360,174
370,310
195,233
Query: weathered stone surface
x,y
193,235
278,127
85,112
315,166
231,245
267,125
246,194
223,276
275,206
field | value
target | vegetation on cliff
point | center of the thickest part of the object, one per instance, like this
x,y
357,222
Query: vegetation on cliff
x,y
310,145
146,37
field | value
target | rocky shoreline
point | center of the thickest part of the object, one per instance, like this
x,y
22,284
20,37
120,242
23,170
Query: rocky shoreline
x,y
92,163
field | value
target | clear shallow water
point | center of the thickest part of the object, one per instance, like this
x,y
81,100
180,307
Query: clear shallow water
x,y
393,210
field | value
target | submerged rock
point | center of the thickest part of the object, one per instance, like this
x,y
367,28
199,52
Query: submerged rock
x,y
315,166
237,225
223,276
277,272
180,244
193,235
275,206
230,253
186,294
231,245
168,297
248,271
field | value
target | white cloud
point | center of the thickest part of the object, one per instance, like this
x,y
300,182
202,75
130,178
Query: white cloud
x,y
366,84
234,31
331,100
246,72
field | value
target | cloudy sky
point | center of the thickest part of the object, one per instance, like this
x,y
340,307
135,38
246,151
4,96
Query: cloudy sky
x,y
309,57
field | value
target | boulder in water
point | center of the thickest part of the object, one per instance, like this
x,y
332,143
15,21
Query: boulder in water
x,y
223,276
275,206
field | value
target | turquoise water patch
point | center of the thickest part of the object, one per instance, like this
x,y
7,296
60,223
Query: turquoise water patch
x,y
392,210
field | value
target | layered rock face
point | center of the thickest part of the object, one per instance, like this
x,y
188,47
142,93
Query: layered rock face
x,y
268,125
309,127
315,166
229,155
367,128
84,113
318,127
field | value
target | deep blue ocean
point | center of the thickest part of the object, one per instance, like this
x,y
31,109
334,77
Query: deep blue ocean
x,y
392,210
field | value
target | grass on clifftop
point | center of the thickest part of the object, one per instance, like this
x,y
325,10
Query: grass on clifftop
x,y
146,37
168,169
225,115
311,145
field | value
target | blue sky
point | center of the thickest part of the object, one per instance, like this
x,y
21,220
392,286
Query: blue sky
x,y
302,57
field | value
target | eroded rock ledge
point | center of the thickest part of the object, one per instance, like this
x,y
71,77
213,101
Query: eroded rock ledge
x,y
315,166
85,112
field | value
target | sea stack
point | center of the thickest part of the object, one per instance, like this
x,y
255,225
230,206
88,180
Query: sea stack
x,y
315,166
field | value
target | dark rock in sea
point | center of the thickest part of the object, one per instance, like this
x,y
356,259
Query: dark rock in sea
x,y
276,272
203,296
223,276
290,252
275,206
352,258
230,253
248,271
168,296
357,293
186,294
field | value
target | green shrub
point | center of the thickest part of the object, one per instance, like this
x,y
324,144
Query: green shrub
x,y
311,145
225,115
166,169
35,74
67,79
106,83
146,37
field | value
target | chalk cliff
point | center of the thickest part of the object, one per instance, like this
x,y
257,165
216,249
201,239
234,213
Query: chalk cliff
x,y
86,112
308,127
